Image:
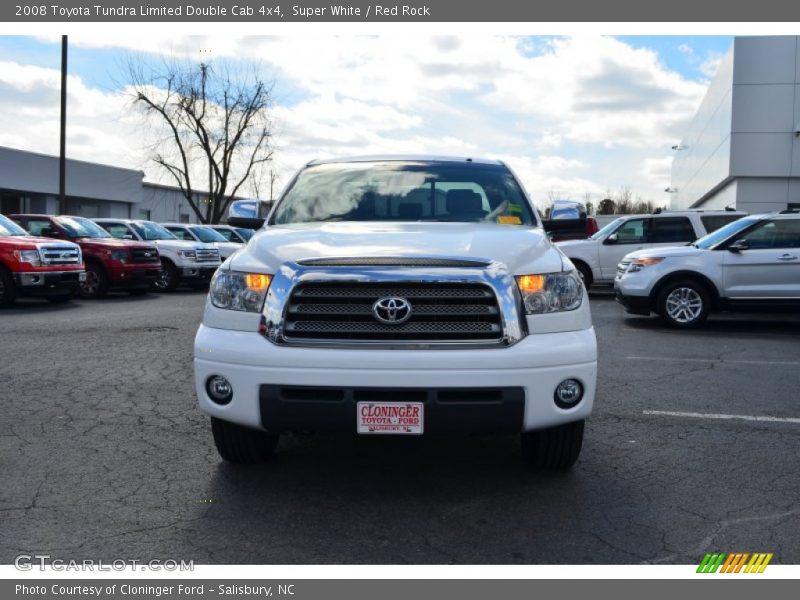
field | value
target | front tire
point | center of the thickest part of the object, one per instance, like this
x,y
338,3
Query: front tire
x,y
586,274
553,449
8,291
167,280
683,304
96,284
242,445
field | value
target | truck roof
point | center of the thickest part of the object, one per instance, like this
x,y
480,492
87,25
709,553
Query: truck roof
x,y
406,158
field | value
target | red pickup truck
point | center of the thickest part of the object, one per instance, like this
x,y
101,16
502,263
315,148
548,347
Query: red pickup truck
x,y
110,263
32,266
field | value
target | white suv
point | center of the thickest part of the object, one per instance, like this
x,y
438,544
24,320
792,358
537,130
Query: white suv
x,y
398,296
752,262
190,263
205,234
596,258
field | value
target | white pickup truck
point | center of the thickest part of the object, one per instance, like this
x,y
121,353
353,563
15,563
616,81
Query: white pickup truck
x,y
398,296
597,257
190,263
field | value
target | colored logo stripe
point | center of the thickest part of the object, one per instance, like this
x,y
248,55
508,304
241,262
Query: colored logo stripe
x,y
735,562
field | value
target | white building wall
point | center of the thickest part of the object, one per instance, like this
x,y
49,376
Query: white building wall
x,y
756,164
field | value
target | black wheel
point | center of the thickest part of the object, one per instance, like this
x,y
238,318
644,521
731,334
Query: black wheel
x,y
554,449
168,278
59,298
683,304
96,283
8,291
242,445
586,274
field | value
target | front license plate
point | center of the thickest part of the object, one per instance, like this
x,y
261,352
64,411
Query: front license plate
x,y
392,418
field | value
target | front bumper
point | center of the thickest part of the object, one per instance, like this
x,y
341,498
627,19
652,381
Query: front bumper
x,y
470,390
197,272
134,276
46,283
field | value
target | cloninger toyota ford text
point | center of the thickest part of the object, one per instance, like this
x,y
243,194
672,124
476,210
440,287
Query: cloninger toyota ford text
x,y
398,296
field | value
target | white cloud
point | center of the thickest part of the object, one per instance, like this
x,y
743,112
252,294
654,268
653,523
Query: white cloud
x,y
587,98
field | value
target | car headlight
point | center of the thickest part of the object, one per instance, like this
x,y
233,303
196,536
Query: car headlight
x,y
190,254
638,264
550,292
234,290
29,256
119,255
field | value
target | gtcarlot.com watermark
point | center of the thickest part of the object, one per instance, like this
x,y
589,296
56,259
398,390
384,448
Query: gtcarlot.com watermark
x,y
44,562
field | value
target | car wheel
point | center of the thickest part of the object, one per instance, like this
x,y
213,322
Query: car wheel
x,y
586,274
242,445
59,298
96,283
8,292
554,449
168,278
683,304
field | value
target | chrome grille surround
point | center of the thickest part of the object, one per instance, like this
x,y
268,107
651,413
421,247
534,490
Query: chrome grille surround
x,y
488,311
206,254
59,254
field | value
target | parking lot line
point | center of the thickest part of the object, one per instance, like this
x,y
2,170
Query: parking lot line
x,y
790,363
694,415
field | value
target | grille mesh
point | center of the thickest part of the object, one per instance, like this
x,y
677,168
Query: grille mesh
x,y
60,255
342,311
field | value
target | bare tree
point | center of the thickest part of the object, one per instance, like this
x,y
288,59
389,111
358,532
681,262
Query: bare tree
x,y
214,127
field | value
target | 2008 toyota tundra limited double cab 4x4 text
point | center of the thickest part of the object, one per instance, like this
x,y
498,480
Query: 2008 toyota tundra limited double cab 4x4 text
x,y
398,296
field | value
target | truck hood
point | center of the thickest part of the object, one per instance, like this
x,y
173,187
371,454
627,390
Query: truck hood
x,y
521,250
664,251
113,243
576,244
30,242
176,245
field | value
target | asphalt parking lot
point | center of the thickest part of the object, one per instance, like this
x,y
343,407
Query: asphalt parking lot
x,y
103,455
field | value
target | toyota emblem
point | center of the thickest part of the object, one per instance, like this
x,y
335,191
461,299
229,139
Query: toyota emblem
x,y
392,310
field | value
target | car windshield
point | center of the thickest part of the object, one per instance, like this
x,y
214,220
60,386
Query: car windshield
x,y
723,233
8,227
206,234
150,231
245,233
81,227
405,191
606,230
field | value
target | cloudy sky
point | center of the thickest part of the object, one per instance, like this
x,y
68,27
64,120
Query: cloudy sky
x,y
573,116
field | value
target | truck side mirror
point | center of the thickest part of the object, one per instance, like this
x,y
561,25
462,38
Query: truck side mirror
x,y
612,239
246,222
739,245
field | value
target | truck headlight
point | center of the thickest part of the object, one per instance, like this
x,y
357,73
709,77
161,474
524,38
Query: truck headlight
x,y
550,292
29,256
640,263
188,254
234,290
119,255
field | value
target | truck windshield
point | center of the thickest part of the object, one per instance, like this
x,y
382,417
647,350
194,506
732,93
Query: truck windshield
x,y
81,227
206,234
150,231
723,233
405,191
8,227
244,233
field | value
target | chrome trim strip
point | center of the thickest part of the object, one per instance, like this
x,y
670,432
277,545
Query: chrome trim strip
x,y
495,276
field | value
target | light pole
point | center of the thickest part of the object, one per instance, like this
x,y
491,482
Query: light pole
x,y
62,160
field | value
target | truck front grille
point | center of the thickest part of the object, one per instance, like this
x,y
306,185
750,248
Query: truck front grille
x,y
207,255
440,312
144,255
60,255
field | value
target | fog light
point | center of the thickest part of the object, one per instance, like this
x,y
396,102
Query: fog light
x,y
568,393
219,389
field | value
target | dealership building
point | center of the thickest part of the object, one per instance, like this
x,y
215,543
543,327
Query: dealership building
x,y
742,148
29,184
